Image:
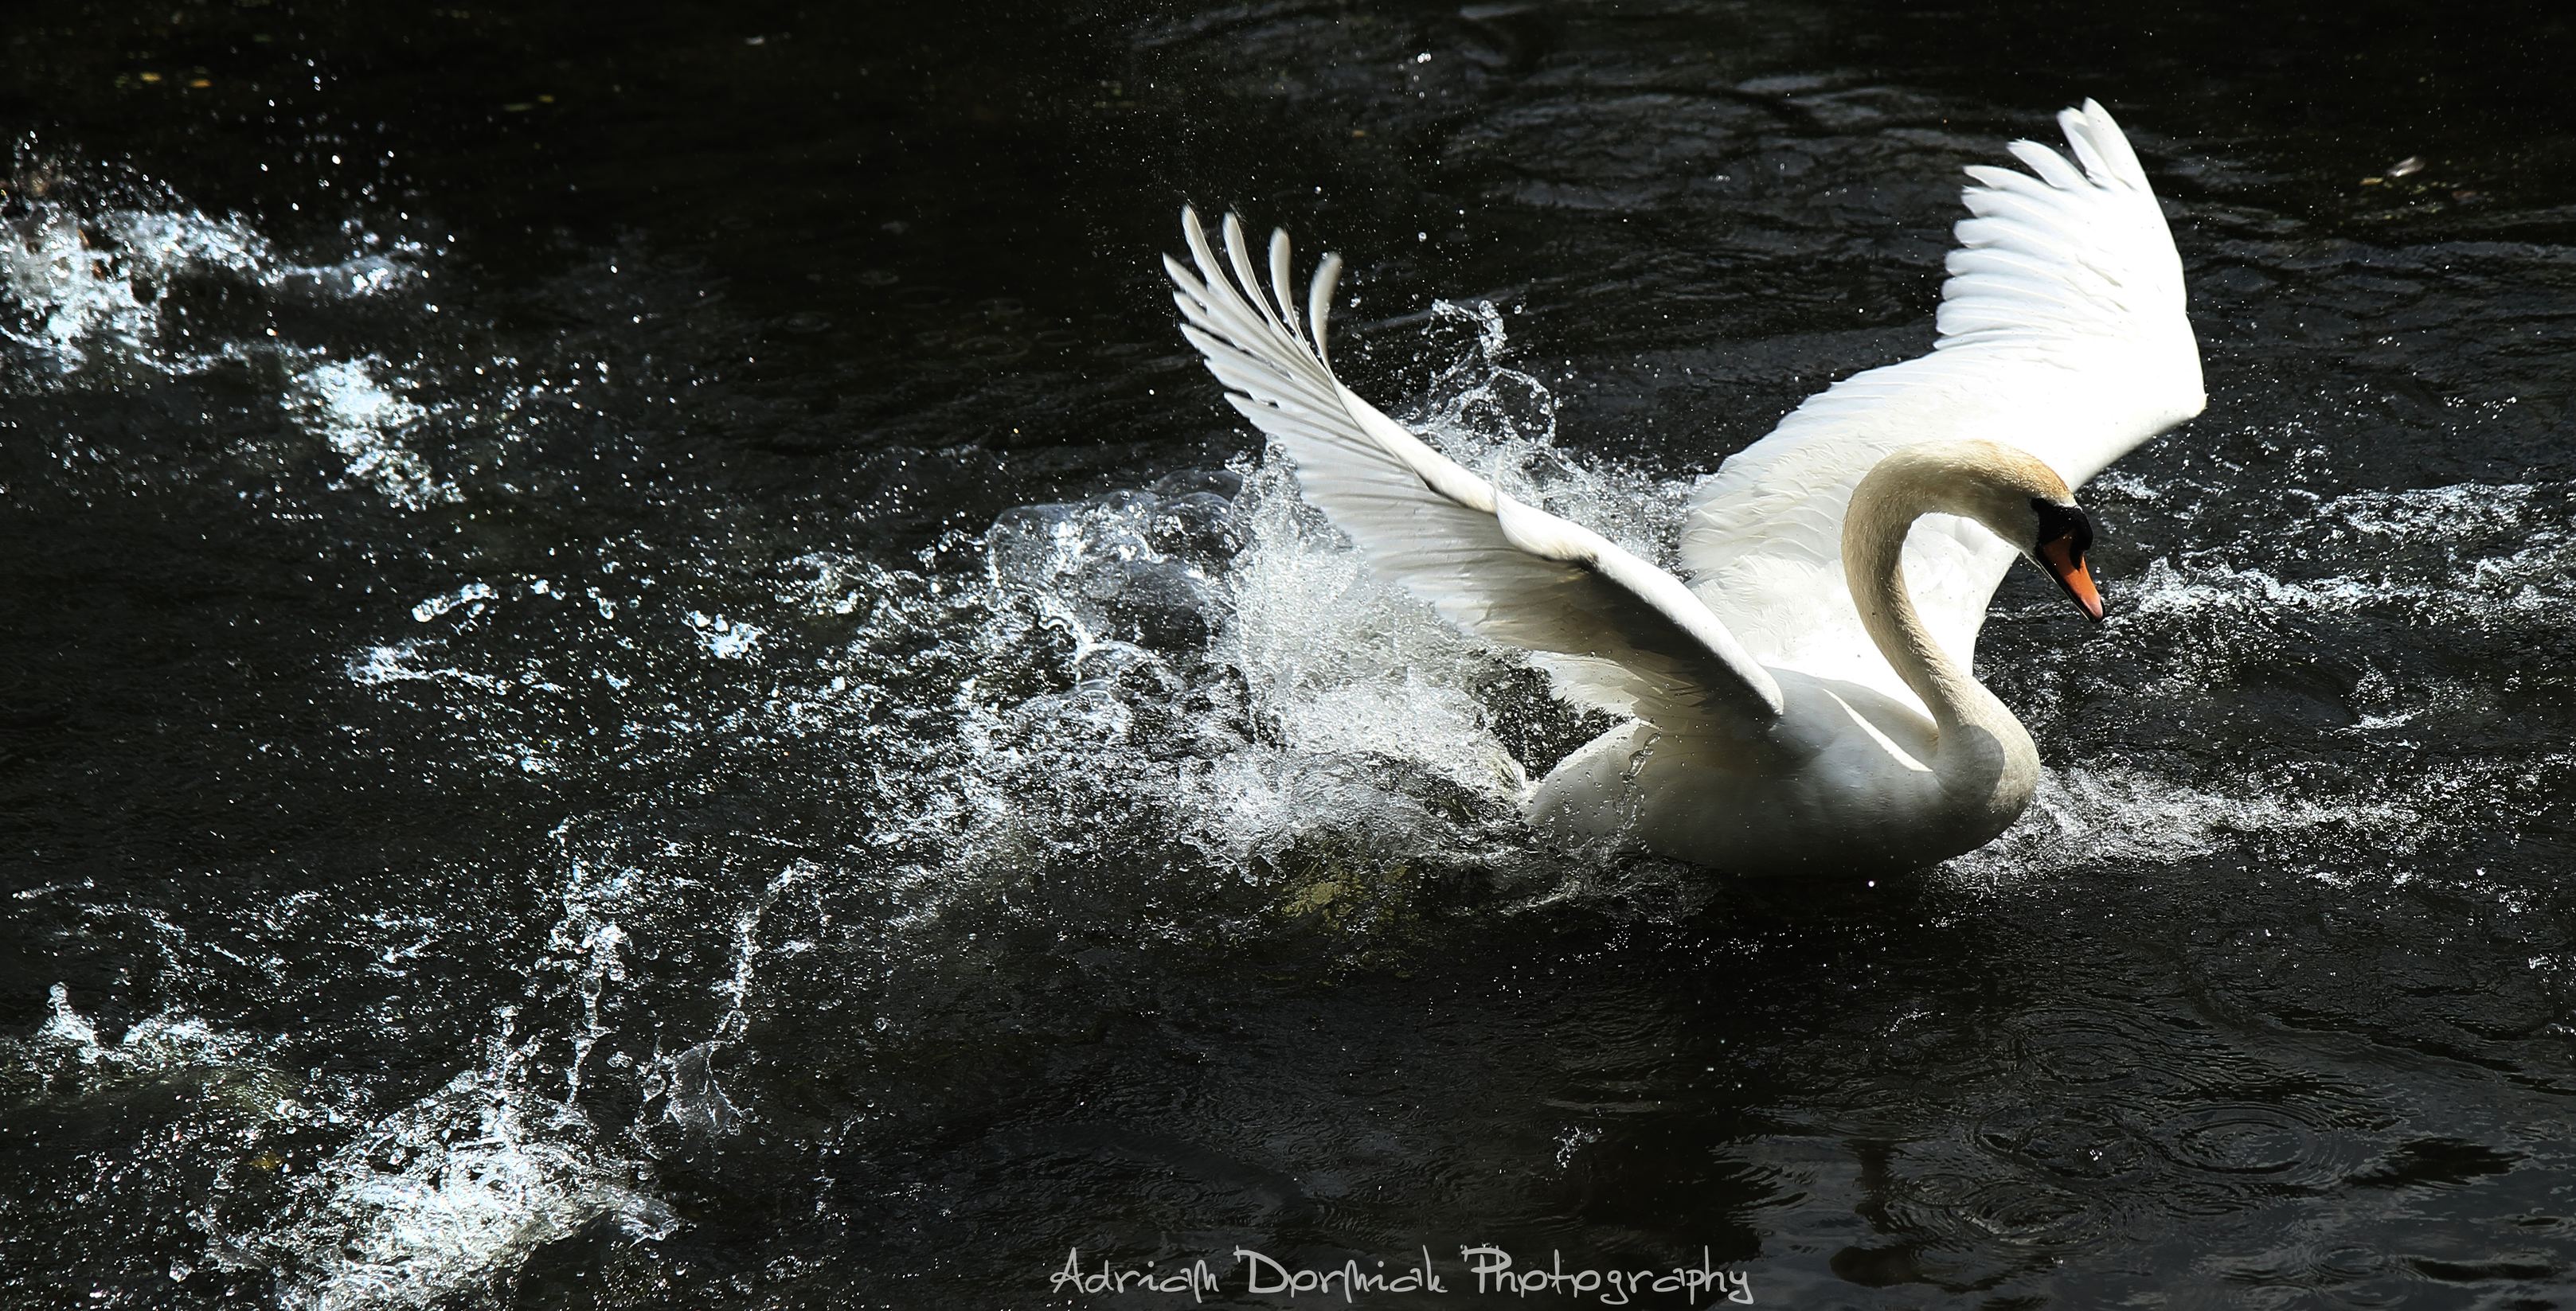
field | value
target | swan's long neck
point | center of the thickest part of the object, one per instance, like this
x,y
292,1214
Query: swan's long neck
x,y
1981,750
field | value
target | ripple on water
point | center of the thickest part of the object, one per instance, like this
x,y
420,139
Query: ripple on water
x,y
1178,1183
2087,1143
2288,1147
2355,1276
2091,1047
2040,1179
2027,1213
994,347
2225,1156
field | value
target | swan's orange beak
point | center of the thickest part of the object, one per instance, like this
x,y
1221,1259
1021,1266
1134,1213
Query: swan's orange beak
x,y
2066,565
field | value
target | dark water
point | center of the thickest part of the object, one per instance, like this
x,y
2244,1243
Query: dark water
x,y
639,675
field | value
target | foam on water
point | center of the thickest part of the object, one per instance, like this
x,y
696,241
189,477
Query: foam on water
x,y
65,1027
436,1198
1337,662
402,662
473,596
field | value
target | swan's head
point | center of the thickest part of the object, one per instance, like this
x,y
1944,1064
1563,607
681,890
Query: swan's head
x,y
2065,534
2023,501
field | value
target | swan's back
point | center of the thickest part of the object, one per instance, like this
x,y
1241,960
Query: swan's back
x,y
2062,332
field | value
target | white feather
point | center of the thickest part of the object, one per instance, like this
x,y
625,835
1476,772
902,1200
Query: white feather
x,y
1779,731
2062,333
1626,636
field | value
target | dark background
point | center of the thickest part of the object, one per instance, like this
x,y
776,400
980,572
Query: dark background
x,y
2267,1004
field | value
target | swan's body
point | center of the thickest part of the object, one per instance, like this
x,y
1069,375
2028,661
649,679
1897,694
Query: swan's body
x,y
1797,706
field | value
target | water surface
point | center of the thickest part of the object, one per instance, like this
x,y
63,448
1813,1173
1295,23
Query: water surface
x,y
644,676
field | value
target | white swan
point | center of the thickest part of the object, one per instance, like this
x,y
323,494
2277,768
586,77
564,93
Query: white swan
x,y
1798,705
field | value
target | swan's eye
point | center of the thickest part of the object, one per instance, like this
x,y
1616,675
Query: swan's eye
x,y
2066,527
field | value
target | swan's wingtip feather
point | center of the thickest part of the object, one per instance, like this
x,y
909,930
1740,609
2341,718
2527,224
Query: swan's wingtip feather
x,y
1319,302
2097,138
1433,523
2089,118
2079,250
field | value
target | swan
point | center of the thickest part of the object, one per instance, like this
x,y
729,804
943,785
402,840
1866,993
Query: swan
x,y
1803,703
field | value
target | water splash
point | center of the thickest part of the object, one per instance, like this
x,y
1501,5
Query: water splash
x,y
725,639
95,291
78,286
443,1195
343,403
2478,554
1189,701
84,284
2094,817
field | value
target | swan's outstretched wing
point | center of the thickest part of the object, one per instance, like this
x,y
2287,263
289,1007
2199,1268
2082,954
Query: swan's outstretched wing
x,y
2062,332
1620,633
